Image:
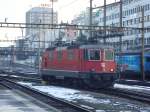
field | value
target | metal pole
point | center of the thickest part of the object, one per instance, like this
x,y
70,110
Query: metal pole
x,y
104,21
39,69
142,64
22,32
90,19
52,19
120,39
52,12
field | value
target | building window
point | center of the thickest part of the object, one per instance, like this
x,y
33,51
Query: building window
x,y
123,23
145,18
148,30
138,9
148,18
131,21
148,40
135,20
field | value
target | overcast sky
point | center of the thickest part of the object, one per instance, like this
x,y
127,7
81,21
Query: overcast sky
x,y
15,11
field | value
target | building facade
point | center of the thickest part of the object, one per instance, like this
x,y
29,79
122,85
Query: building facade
x,y
83,19
40,15
131,17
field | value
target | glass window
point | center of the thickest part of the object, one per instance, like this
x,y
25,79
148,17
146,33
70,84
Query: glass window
x,y
94,54
71,55
51,55
59,55
147,59
147,6
109,55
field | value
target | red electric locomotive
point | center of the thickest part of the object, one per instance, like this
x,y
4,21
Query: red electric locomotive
x,y
92,65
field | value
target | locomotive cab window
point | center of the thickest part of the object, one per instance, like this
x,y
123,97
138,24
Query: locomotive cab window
x,y
93,54
109,55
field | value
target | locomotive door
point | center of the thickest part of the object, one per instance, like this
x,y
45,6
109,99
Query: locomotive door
x,y
45,62
81,63
83,58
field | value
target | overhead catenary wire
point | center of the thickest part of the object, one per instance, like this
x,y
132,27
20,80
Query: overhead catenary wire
x,y
69,4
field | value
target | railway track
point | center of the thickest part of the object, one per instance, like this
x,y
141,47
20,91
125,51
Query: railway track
x,y
22,78
133,95
63,106
134,82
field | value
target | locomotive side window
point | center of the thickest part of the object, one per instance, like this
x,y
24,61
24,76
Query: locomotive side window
x,y
51,55
109,55
59,55
70,54
94,54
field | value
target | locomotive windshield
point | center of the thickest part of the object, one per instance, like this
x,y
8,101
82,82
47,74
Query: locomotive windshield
x,y
109,55
94,54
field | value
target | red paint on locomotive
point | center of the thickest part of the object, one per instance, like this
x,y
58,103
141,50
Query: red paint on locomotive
x,y
77,62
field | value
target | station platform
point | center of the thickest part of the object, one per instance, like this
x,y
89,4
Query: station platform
x,y
16,101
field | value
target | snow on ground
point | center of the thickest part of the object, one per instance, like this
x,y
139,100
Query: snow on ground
x,y
133,87
100,111
74,95
85,106
100,104
14,76
3,75
27,84
137,81
68,94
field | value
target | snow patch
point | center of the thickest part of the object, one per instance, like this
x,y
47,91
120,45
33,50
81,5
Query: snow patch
x,y
133,87
100,111
26,83
88,107
68,94
14,76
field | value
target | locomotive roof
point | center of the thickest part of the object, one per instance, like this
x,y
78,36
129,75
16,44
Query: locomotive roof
x,y
50,48
95,46
88,46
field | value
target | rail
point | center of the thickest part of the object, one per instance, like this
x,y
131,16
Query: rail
x,y
62,105
129,94
134,82
22,78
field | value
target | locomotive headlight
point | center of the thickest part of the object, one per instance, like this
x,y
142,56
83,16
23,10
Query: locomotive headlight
x,y
111,70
